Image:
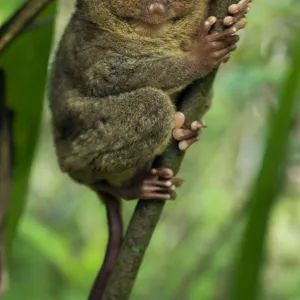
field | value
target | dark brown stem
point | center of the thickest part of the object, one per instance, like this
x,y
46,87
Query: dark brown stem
x,y
147,213
6,169
11,29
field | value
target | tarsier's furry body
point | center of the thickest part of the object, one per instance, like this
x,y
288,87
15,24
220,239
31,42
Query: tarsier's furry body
x,y
117,73
109,79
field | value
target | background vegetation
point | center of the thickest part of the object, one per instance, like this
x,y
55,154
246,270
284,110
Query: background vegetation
x,y
62,234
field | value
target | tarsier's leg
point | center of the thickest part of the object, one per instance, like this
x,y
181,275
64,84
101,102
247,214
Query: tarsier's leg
x,y
111,138
158,183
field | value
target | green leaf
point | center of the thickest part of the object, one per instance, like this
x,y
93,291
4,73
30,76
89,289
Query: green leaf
x,y
8,9
267,186
25,63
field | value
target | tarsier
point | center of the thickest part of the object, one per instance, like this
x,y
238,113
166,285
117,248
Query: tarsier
x,y
118,70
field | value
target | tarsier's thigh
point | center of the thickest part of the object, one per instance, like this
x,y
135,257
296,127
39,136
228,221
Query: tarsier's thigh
x,y
140,129
121,133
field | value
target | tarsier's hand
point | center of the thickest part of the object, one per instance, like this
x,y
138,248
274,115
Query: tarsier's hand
x,y
186,136
212,49
237,13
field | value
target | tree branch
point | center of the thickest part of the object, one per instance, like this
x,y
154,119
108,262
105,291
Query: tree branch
x,y
147,213
11,29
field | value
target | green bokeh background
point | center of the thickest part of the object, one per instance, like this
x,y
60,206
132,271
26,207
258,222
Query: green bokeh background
x,y
62,233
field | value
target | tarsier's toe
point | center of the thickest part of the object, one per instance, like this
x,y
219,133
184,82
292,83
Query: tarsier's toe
x,y
188,137
240,7
184,145
162,172
238,11
155,188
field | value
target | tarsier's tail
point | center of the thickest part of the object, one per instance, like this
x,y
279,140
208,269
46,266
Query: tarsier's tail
x,y
115,227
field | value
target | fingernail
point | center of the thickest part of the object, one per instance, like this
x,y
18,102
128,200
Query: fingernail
x,y
182,146
153,171
168,183
173,187
234,30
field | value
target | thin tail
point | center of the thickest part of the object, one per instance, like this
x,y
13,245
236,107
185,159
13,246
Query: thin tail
x,y
115,228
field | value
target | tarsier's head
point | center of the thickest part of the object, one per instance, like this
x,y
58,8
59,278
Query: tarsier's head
x,y
152,12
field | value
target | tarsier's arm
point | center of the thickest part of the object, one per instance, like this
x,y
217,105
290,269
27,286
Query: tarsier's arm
x,y
112,73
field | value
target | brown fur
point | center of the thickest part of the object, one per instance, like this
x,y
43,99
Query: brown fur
x,y
110,91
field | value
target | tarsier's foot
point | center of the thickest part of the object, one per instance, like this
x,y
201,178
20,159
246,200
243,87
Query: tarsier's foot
x,y
187,136
159,184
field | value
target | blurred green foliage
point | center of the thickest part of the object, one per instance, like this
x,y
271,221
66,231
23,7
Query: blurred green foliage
x,y
25,65
193,254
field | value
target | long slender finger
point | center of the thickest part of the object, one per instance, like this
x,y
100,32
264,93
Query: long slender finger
x,y
196,126
156,196
221,35
230,20
226,42
228,32
208,24
242,23
243,4
184,145
235,8
225,58
218,55
162,172
154,188
174,181
161,183
183,134
232,48
179,118
177,182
